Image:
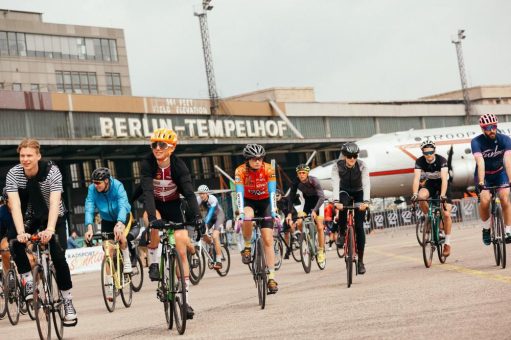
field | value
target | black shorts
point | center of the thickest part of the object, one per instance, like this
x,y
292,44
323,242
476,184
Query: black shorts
x,y
171,211
434,188
261,209
310,203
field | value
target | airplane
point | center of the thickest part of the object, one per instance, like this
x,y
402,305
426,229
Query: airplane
x,y
391,158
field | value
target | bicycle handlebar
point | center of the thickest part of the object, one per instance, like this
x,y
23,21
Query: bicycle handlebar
x,y
495,187
172,225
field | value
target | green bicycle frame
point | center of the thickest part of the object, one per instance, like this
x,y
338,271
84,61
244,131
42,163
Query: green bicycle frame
x,y
172,244
311,227
435,216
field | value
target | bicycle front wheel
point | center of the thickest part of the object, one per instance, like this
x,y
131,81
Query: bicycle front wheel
x,y
501,233
305,252
178,286
3,305
350,251
41,301
12,297
226,261
126,288
195,263
137,277
107,284
418,229
428,248
58,313
260,268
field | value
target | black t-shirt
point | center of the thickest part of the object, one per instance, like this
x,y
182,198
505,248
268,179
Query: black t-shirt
x,y
431,171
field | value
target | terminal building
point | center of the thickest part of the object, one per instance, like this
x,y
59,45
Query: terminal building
x,y
84,122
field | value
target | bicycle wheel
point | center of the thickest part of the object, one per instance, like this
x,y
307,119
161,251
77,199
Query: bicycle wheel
x,y
126,289
3,309
41,303
137,277
107,284
226,261
164,291
195,263
204,262
428,248
278,249
58,313
501,233
295,247
439,244
305,252
29,307
419,226
261,274
178,285
12,297
350,245
495,241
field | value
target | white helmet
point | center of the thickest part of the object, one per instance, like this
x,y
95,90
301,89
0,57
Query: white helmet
x,y
428,142
203,189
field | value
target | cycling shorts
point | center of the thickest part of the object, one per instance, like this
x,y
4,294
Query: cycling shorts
x,y
493,180
261,209
434,187
171,211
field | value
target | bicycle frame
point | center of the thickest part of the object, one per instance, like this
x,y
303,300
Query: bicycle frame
x,y
350,226
116,263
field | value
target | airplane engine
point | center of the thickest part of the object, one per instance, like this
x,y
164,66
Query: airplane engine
x,y
463,176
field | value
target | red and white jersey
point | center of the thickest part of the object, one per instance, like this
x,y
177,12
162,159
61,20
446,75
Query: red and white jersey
x,y
165,189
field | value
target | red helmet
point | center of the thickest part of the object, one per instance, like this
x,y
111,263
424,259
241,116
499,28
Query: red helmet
x,y
488,119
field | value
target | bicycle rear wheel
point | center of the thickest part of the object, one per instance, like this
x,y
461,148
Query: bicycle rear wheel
x,y
501,233
107,284
41,303
58,313
226,261
178,285
428,247
278,249
295,247
350,251
260,268
419,226
137,277
305,252
12,297
3,305
195,263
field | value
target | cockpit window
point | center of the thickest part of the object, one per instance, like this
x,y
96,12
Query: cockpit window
x,y
362,154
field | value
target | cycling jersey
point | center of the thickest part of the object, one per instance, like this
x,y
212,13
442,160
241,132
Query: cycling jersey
x,y
492,151
352,180
431,171
311,191
255,184
214,209
329,212
112,204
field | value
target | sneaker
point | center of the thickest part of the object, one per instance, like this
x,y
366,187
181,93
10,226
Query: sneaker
x,y
486,237
28,290
329,247
154,272
246,255
189,312
286,255
361,269
447,250
508,237
273,286
217,265
127,268
321,256
69,310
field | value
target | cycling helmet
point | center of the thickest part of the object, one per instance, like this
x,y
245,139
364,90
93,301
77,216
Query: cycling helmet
x,y
488,119
350,148
203,189
253,151
164,135
428,142
303,167
101,174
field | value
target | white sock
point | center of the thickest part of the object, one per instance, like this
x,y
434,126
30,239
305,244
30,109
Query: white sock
x,y
27,277
447,239
154,255
66,294
486,224
187,287
126,255
508,229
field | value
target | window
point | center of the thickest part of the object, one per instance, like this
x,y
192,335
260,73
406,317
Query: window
x,y
113,83
97,49
4,45
87,172
77,82
34,87
75,175
13,45
363,154
89,48
105,48
99,163
48,49
39,45
57,47
22,47
206,167
113,49
60,81
64,43
84,81
16,86
68,88
135,168
111,166
93,83
30,38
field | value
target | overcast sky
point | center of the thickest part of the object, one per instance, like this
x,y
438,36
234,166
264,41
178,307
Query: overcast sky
x,y
348,50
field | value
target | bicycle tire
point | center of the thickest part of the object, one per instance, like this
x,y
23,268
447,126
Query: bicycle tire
x,y
30,309
203,261
502,239
494,241
41,304
349,256
295,247
126,290
58,313
427,245
105,284
261,274
3,305
440,246
278,249
12,298
138,274
305,252
226,261
195,270
418,229
164,291
178,285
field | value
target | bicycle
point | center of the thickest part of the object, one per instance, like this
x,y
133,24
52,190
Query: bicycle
x,y
431,240
278,247
172,287
293,246
137,276
15,302
350,243
114,281
497,229
48,301
309,246
3,305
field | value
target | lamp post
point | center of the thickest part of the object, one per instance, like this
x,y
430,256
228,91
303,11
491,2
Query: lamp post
x,y
461,65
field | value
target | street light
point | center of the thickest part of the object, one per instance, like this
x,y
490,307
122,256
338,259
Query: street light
x,y
461,66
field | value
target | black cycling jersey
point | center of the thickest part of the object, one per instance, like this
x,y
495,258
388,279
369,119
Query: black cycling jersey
x,y
311,190
431,171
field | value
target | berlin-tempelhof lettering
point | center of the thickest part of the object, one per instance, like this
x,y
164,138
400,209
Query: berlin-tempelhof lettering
x,y
203,128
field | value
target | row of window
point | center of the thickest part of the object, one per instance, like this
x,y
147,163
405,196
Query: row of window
x,y
86,82
57,47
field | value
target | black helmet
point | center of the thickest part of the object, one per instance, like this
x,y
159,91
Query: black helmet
x,y
100,174
303,167
350,148
253,151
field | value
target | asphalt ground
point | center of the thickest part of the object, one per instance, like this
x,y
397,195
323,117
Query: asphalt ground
x,y
398,298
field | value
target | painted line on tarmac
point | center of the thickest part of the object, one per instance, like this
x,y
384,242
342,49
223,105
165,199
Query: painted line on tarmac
x,y
450,267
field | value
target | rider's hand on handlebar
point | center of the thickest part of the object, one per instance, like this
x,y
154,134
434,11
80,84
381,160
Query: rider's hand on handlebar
x,y
118,230
480,186
363,206
23,238
88,235
241,217
46,235
157,223
338,206
443,199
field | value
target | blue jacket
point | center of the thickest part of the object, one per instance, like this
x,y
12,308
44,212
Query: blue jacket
x,y
112,205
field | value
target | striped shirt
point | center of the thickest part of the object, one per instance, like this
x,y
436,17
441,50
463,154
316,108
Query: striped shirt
x,y
16,180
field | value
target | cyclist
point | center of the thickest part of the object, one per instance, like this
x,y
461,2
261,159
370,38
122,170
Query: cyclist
x,y
255,192
164,177
330,214
108,196
34,189
6,228
350,179
431,179
283,207
492,152
214,217
314,199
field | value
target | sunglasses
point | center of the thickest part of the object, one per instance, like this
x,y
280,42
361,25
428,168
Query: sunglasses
x,y
161,145
97,182
428,153
351,156
257,159
490,127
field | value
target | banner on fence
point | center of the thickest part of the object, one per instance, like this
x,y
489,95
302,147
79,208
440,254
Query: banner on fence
x,y
84,260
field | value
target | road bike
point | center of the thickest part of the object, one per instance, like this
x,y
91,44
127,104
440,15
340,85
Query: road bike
x,y
497,228
309,245
431,240
350,243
